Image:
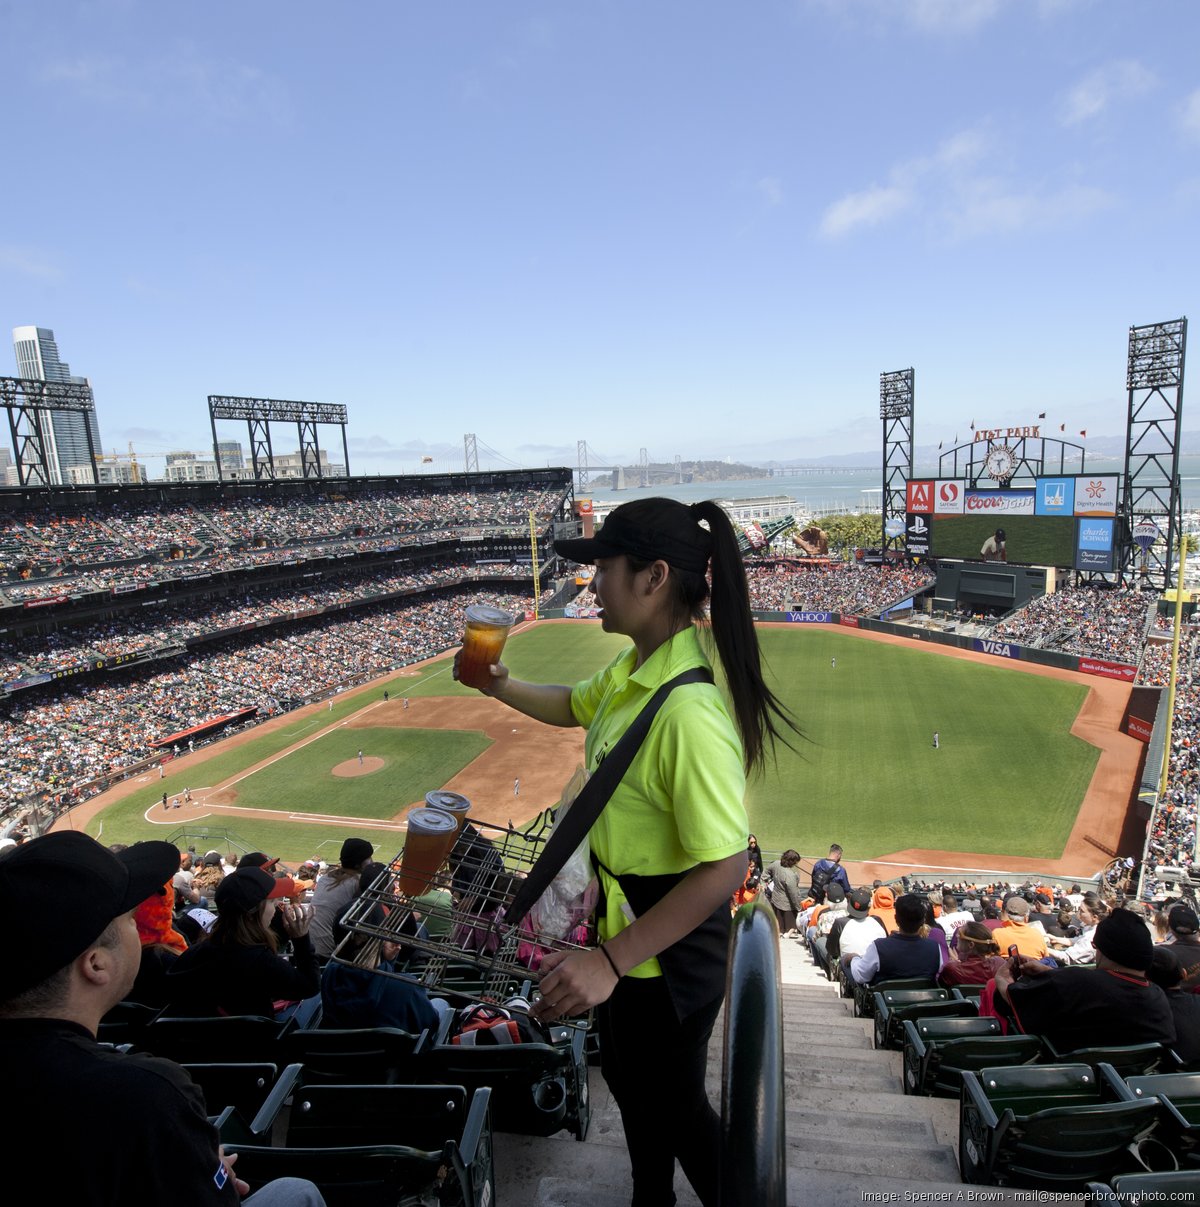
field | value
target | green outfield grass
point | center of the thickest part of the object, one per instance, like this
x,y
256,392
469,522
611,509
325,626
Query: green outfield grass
x,y
1007,780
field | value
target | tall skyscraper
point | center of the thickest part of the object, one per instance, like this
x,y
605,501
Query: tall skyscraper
x,y
65,436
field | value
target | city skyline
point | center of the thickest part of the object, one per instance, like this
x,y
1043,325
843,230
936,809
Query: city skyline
x,y
701,231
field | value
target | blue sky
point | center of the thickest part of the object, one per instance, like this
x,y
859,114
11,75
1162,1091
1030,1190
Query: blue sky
x,y
700,228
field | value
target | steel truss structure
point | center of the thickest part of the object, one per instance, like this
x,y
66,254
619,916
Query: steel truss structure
x,y
28,400
260,413
1035,457
896,396
1152,496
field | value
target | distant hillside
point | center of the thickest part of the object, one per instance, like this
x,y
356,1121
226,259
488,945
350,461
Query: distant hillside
x,y
698,471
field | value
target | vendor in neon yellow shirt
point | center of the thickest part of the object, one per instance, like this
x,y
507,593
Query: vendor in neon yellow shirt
x,y
671,841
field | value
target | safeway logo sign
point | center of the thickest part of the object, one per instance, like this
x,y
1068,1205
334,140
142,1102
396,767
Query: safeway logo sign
x,y
920,497
949,497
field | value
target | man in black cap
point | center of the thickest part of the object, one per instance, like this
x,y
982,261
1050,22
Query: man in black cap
x,y
1185,944
335,891
97,1126
1107,1006
904,953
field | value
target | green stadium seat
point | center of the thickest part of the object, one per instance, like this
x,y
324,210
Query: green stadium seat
x,y
537,1089
244,1087
1130,1060
377,1144
1053,1127
125,1022
937,1051
359,1056
864,995
235,1038
893,1006
1137,1189
1178,1097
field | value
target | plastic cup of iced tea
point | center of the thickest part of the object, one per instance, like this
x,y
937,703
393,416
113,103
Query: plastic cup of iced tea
x,y
453,803
431,834
484,636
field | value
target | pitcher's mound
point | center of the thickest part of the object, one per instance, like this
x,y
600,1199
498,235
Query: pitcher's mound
x,y
352,767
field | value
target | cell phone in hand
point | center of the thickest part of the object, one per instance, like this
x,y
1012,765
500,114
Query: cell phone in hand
x,y
1014,961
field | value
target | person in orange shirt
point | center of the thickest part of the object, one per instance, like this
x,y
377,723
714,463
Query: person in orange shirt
x,y
883,907
1017,931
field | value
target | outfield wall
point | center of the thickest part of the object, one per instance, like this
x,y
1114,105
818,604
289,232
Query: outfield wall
x,y
980,645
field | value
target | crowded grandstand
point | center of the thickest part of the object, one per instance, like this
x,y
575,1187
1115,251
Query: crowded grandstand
x,y
129,616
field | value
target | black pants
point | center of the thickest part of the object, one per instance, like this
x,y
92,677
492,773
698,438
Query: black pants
x,y
654,1065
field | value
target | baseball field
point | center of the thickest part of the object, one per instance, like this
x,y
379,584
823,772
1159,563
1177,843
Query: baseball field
x,y
1006,781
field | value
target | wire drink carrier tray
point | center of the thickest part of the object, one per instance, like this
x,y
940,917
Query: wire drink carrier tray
x,y
466,949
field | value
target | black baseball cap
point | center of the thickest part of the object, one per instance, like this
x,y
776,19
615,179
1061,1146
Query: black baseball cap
x,y
1182,920
355,852
859,903
649,529
58,893
248,888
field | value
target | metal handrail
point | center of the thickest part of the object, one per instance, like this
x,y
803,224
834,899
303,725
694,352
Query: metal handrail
x,y
753,1160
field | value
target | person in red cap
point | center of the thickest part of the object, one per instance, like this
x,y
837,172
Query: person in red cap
x,y
69,951
237,969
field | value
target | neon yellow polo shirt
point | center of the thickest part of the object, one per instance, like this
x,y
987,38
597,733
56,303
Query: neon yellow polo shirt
x,y
680,802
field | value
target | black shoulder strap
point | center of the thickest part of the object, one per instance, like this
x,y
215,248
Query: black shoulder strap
x,y
589,804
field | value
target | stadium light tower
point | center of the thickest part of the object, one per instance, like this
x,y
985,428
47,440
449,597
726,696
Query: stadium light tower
x,y
896,392
1155,383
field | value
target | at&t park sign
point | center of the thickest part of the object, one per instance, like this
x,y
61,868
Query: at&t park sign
x,y
1032,432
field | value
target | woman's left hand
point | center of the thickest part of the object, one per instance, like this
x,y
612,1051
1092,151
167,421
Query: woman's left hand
x,y
572,982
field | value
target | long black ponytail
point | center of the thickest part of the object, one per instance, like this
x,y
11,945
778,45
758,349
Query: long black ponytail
x,y
759,714
760,717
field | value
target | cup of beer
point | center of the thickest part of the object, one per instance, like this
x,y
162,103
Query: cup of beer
x,y
484,636
431,834
453,803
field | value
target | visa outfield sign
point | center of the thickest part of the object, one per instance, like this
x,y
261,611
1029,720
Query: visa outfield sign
x,y
811,617
998,649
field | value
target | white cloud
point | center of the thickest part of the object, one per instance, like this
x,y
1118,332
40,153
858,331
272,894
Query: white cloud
x,y
991,208
929,16
953,193
28,263
1189,117
771,189
867,208
181,80
951,16
1101,88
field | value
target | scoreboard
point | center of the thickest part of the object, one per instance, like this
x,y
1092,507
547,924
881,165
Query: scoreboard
x,y
1065,520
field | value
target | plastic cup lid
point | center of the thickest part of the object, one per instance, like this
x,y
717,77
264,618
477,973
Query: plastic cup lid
x,y
432,819
485,614
453,801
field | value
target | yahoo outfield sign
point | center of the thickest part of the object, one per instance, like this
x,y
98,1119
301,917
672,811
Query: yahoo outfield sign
x,y
998,649
999,502
811,617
